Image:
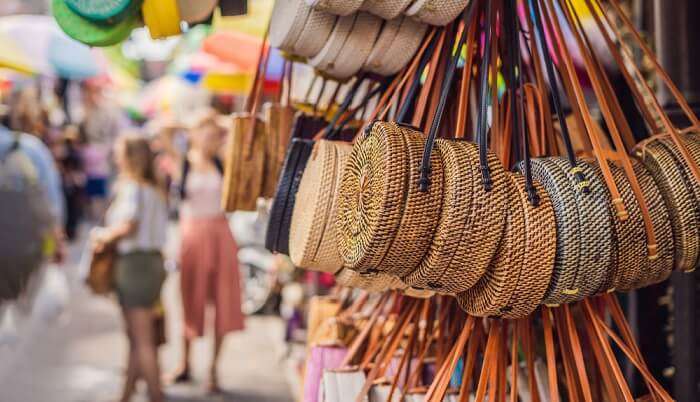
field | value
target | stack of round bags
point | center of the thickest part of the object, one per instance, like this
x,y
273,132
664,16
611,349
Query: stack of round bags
x,y
497,252
341,38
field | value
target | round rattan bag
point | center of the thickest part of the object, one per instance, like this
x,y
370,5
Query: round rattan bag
x,y
494,290
396,45
471,222
287,22
668,173
540,250
312,233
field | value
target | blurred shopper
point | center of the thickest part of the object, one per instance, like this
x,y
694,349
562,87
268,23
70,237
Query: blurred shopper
x,y
208,254
95,156
70,163
136,224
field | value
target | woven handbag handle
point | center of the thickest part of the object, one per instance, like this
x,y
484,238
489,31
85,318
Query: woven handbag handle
x,y
425,168
438,389
351,114
347,101
254,99
412,91
384,301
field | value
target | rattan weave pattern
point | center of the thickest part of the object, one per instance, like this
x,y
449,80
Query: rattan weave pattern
x,y
436,12
596,229
287,22
654,271
316,31
563,197
387,9
540,250
327,56
693,145
630,246
494,289
397,44
356,49
669,177
312,233
440,264
370,201
421,211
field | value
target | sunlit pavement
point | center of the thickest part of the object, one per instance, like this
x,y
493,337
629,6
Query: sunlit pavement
x,y
81,357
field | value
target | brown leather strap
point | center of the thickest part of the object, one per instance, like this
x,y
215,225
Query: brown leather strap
x,y
488,361
438,388
514,361
422,103
359,341
550,354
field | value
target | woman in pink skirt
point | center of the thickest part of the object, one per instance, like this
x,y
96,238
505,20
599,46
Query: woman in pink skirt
x,y
208,253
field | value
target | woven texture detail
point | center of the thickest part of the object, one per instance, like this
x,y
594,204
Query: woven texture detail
x,y
312,233
386,9
396,46
370,200
287,22
596,230
356,49
540,250
494,290
328,55
421,210
278,124
338,7
374,282
680,201
315,33
243,180
436,12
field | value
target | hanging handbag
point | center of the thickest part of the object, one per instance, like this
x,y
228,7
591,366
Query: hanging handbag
x,y
162,18
348,46
313,36
245,162
93,33
397,43
100,277
287,21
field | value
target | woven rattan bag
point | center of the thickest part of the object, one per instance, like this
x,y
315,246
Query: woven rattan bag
x,y
348,46
287,22
314,34
396,45
278,119
312,233
245,162
668,174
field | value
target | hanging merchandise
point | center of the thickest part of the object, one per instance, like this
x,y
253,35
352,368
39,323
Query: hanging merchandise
x,y
103,11
91,32
482,212
162,17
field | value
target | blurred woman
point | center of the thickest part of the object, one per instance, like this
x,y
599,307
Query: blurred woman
x,y
136,224
208,253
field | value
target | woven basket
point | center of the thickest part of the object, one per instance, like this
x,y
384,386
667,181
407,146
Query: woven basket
x,y
338,7
386,9
245,162
315,33
396,45
287,23
540,250
476,226
370,202
312,233
278,125
596,231
344,55
421,210
494,290
668,174
693,145
436,12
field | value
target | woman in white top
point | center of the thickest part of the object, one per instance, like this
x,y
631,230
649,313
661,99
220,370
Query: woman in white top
x,y
208,254
136,224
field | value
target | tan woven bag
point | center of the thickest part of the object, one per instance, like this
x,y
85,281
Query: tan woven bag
x,y
338,7
436,12
287,22
396,46
348,46
278,124
315,33
312,233
245,162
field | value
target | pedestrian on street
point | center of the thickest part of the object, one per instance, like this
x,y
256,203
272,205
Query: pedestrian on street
x,y
136,224
208,253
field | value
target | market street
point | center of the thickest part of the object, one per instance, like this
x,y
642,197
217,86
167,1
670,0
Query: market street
x,y
81,357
